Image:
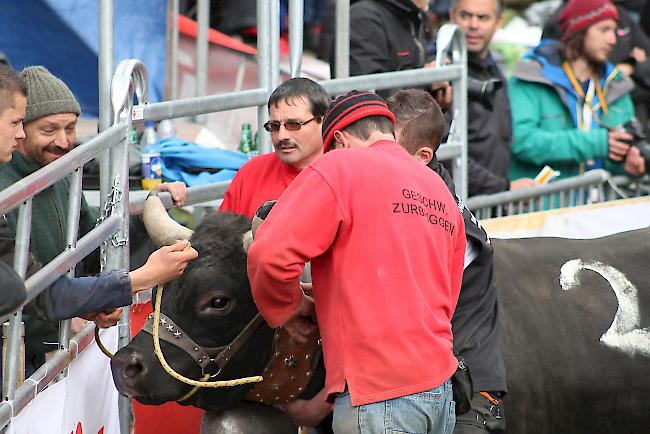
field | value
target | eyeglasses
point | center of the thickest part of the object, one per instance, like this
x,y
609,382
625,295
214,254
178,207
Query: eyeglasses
x,y
274,126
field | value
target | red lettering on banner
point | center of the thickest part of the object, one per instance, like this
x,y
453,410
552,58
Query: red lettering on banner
x,y
80,429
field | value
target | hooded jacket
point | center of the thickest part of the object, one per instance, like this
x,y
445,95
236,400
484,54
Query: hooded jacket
x,y
545,121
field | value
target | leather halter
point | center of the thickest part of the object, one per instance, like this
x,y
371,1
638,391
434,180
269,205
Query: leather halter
x,y
203,356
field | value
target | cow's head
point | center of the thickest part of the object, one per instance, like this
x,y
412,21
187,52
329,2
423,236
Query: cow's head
x,y
212,303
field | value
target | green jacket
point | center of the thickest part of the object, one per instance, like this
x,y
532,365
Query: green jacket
x,y
543,113
49,213
48,238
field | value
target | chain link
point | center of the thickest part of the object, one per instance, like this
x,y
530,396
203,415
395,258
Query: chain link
x,y
113,198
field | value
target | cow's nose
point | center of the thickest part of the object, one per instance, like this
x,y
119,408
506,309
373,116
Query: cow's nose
x,y
133,368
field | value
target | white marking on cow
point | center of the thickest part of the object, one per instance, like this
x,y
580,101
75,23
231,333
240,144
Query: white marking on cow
x,y
625,333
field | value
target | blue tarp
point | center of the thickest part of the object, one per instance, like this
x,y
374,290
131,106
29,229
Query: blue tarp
x,y
198,165
62,35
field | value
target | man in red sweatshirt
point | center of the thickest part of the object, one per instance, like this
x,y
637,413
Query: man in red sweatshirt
x,y
386,244
296,110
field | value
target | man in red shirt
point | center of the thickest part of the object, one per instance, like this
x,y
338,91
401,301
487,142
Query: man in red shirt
x,y
386,243
296,110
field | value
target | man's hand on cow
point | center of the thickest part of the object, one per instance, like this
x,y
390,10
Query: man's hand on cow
x,y
301,323
165,264
618,144
308,412
634,163
178,190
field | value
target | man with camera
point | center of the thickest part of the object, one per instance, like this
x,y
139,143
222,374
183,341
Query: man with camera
x,y
489,128
573,106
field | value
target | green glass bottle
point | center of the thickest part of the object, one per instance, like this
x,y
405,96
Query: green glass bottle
x,y
246,141
254,147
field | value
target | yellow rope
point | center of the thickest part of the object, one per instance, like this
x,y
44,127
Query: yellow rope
x,y
176,375
193,390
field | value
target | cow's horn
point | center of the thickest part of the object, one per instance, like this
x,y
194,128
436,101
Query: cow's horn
x,y
162,229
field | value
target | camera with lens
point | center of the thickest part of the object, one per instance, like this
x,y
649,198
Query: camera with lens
x,y
483,91
634,128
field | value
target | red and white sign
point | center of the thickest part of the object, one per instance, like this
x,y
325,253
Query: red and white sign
x,y
85,402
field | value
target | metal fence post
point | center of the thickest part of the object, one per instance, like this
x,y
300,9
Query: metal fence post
x,y
263,70
275,45
173,55
296,26
72,232
15,323
130,77
342,39
202,50
105,70
451,43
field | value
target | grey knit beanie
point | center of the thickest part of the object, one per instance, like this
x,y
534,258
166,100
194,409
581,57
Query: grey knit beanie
x,y
46,94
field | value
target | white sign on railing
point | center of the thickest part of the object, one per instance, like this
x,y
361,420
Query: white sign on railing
x,y
85,402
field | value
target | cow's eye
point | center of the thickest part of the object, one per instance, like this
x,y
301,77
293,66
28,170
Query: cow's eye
x,y
220,303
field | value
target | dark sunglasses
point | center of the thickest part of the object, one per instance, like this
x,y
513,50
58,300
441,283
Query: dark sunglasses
x,y
274,126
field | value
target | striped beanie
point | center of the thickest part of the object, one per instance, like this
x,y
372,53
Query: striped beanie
x,y
348,109
580,14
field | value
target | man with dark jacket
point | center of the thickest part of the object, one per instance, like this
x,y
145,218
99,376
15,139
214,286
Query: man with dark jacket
x,y
386,35
489,128
476,325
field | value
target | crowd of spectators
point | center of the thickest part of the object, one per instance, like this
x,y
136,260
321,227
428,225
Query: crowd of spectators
x,y
394,35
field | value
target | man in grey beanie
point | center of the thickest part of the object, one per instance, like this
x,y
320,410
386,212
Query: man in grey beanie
x,y
50,132
51,117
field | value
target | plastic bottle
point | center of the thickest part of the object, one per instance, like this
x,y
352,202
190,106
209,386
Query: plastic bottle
x,y
245,142
151,160
166,128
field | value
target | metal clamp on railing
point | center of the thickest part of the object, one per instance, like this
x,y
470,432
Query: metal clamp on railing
x,y
130,77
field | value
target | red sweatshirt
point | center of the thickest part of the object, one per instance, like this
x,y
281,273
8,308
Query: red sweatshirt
x,y
261,179
386,242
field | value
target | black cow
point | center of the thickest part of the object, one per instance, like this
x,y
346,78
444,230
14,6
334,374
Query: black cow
x,y
211,301
561,377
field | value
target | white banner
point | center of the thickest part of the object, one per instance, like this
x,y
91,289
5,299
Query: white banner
x,y
587,221
85,402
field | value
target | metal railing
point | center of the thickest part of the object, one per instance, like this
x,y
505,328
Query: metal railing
x,y
594,186
113,227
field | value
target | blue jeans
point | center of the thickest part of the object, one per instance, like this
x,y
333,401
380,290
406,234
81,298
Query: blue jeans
x,y
428,412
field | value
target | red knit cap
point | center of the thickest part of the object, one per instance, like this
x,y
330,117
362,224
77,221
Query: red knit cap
x,y
580,14
348,109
